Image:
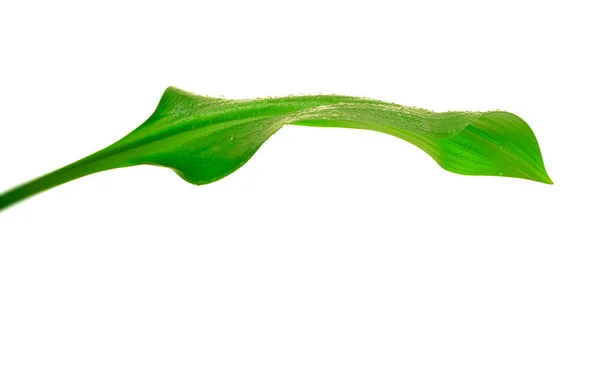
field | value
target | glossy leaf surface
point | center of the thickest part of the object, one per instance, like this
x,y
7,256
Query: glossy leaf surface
x,y
204,139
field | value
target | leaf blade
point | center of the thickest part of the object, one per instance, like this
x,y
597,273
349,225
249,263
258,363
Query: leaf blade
x,y
204,139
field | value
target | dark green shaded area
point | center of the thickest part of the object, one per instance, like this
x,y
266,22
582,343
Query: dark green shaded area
x,y
204,139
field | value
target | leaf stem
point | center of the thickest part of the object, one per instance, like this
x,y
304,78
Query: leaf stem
x,y
83,167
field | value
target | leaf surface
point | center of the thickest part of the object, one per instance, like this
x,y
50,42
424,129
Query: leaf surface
x,y
204,139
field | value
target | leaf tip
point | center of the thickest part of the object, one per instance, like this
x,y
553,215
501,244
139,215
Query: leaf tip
x,y
544,178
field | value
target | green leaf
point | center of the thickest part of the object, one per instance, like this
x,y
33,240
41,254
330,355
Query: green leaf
x,y
204,139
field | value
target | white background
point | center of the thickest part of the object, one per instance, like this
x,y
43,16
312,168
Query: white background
x,y
330,246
